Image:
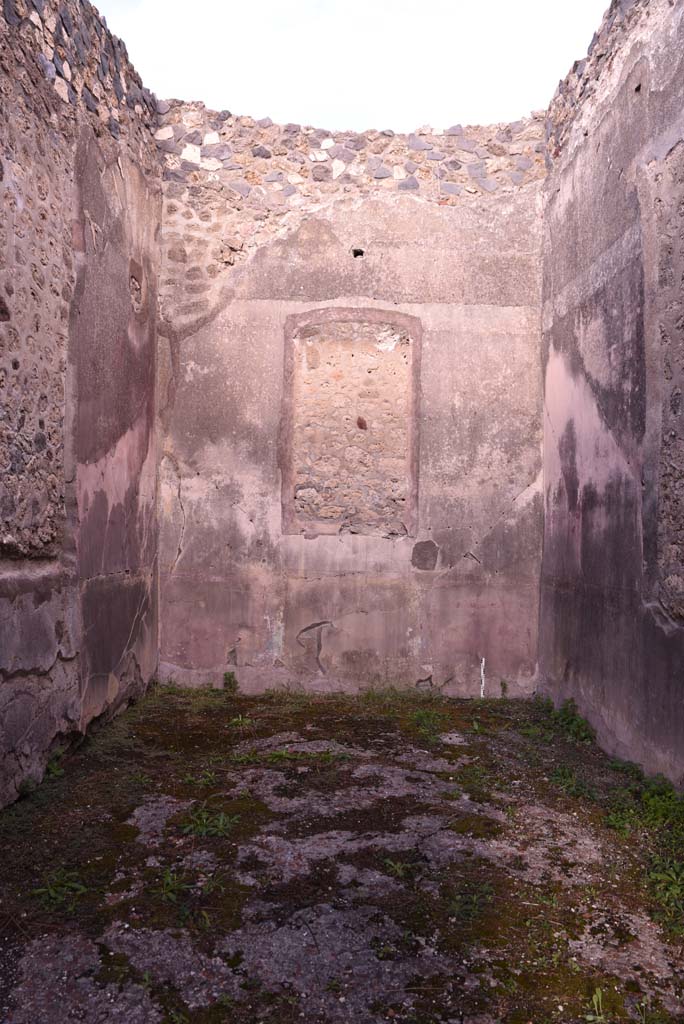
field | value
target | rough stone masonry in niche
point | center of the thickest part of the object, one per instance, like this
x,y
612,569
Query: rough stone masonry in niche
x,y
351,428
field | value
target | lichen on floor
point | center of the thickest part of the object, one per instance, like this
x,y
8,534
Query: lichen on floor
x,y
398,857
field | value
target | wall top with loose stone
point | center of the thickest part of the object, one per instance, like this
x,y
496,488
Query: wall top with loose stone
x,y
581,84
270,166
69,44
233,184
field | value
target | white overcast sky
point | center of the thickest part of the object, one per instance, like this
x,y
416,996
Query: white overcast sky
x,y
358,64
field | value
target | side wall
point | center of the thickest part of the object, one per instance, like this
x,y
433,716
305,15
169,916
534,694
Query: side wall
x,y
78,271
612,607
409,551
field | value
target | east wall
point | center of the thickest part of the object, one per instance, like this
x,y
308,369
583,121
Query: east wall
x,y
612,593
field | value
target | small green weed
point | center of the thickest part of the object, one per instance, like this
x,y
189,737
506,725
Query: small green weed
x,y
53,769
241,722
469,902
537,732
60,889
596,1015
566,779
399,868
230,683
203,822
171,886
251,758
666,880
570,723
204,778
428,722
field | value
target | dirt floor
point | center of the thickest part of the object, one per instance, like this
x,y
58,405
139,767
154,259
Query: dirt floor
x,y
394,857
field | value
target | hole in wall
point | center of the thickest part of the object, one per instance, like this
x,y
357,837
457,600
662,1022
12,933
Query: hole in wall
x,y
361,423
638,88
135,272
357,253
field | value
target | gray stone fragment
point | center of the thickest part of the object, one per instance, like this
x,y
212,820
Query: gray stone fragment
x,y
222,151
517,177
338,152
488,184
289,190
89,100
264,122
47,67
409,184
274,176
454,165
523,163
417,143
356,142
435,155
456,129
262,152
163,107
322,172
240,186
410,167
450,188
381,172
10,13
467,145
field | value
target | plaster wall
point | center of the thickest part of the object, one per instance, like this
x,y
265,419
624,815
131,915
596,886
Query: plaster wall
x,y
611,628
283,601
78,273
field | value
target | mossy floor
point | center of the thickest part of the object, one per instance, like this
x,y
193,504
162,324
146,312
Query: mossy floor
x,y
394,857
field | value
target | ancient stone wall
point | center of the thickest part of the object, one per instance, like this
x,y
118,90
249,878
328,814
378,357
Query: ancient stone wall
x,y
79,178
612,630
350,411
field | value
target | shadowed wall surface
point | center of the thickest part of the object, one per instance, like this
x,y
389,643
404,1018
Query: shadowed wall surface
x,y
78,279
613,572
